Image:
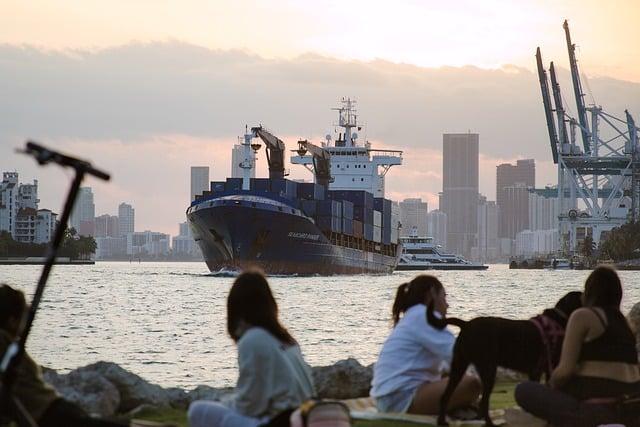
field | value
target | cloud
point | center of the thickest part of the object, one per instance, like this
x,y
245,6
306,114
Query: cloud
x,y
149,111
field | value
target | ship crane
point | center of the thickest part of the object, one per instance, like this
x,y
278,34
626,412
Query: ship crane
x,y
598,189
321,161
275,151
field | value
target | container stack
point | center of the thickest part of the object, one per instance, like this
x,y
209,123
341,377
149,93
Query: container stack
x,y
329,215
217,186
233,184
347,218
384,206
311,191
377,226
284,188
395,223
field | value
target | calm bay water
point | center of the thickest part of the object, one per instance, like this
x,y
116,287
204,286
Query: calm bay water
x,y
167,321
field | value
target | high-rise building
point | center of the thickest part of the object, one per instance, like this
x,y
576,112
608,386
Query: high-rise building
x,y
46,223
18,207
460,190
487,249
84,213
237,157
413,216
107,226
199,181
148,243
514,212
508,175
126,219
437,227
544,208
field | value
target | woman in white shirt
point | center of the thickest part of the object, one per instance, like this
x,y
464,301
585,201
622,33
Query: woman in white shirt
x,y
408,376
273,376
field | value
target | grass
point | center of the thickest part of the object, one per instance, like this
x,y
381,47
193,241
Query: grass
x,y
501,398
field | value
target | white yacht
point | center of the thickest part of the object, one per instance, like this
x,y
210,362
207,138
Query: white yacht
x,y
421,253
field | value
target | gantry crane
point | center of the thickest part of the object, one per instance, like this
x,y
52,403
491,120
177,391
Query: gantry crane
x,y
321,161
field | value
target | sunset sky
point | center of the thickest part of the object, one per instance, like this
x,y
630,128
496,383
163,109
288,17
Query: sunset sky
x,y
115,81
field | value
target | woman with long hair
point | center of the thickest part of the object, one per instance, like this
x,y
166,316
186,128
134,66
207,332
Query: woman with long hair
x,y
409,374
598,363
273,376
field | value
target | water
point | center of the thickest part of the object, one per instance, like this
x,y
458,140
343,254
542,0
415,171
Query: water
x,y
167,321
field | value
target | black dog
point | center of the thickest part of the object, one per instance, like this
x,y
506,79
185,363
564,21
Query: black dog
x,y
521,345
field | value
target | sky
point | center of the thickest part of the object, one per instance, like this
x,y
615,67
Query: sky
x,y
146,88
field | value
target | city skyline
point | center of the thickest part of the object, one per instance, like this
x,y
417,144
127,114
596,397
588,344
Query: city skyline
x,y
404,104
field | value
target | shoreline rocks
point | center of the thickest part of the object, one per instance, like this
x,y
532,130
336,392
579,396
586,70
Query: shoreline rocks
x,y
105,388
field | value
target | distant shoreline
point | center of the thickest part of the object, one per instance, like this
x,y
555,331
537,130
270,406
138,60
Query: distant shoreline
x,y
42,261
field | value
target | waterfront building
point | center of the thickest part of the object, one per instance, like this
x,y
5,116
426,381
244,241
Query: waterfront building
x,y
460,190
126,219
108,247
509,175
237,157
514,212
18,207
107,226
46,224
84,213
148,243
413,216
199,181
488,246
437,227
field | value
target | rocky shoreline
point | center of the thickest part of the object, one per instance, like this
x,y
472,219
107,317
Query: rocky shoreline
x,y
105,388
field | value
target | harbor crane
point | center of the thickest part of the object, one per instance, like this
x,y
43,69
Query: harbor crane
x,y
321,161
275,151
598,184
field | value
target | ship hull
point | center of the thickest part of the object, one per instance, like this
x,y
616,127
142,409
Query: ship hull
x,y
256,232
417,267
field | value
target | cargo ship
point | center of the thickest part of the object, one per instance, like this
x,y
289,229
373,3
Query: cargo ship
x,y
340,223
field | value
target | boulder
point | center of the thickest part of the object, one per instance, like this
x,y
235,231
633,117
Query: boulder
x,y
346,379
134,391
89,390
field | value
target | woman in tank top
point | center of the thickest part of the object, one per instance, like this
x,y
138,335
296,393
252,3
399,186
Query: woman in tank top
x,y
599,362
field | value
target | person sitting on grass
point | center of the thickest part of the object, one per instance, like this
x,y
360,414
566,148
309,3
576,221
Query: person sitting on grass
x,y
41,401
408,376
273,376
598,363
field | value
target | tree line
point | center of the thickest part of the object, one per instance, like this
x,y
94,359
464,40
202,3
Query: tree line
x,y
73,246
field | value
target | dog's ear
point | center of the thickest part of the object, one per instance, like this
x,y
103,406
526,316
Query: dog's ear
x,y
436,322
569,303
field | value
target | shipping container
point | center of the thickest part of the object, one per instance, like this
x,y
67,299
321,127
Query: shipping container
x,y
347,226
386,236
309,207
357,197
363,214
394,236
329,208
358,229
284,188
311,191
217,186
347,209
260,184
377,219
233,184
368,231
329,223
377,234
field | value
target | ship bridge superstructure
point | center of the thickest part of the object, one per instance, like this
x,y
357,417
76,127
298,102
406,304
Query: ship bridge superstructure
x,y
354,166
599,180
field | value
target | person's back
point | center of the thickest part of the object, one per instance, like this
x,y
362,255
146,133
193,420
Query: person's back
x,y
273,376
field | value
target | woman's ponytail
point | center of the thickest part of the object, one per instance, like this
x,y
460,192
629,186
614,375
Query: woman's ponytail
x,y
400,303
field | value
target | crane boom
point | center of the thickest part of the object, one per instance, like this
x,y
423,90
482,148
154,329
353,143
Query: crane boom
x,y
546,100
577,89
321,161
563,135
275,151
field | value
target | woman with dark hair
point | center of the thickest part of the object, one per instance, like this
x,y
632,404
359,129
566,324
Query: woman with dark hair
x,y
408,376
598,364
273,376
